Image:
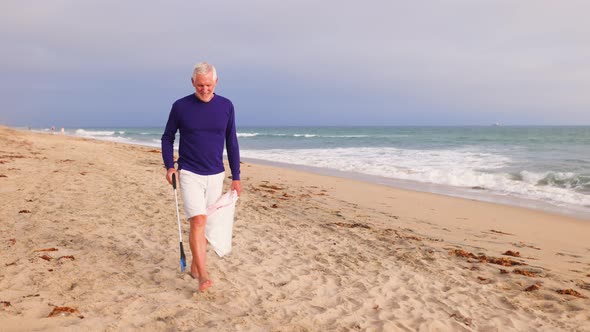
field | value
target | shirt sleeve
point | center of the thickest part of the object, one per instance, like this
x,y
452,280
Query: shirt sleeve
x,y
168,139
231,144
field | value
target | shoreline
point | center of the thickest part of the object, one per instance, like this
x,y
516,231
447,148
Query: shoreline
x,y
444,190
90,225
478,194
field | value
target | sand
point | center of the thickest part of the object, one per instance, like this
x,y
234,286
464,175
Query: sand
x,y
311,252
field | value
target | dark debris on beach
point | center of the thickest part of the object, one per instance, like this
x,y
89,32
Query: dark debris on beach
x,y
65,311
346,225
525,273
512,253
571,292
485,259
533,287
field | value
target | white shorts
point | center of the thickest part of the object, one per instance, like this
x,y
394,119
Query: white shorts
x,y
199,191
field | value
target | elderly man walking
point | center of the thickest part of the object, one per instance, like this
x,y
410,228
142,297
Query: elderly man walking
x,y
206,122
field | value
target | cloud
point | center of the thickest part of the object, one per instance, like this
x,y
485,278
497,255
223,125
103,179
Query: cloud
x,y
531,58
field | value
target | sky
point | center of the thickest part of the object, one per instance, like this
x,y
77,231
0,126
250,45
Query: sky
x,y
297,63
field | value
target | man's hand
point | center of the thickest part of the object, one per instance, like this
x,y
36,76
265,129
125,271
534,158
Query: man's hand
x,y
237,186
169,175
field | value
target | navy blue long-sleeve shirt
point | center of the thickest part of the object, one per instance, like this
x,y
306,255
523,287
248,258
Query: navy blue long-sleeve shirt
x,y
204,127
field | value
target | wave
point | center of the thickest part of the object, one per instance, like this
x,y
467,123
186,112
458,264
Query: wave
x,y
303,135
348,136
83,132
445,167
567,180
457,168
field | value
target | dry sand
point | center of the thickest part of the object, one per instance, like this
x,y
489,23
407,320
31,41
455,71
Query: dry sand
x,y
311,252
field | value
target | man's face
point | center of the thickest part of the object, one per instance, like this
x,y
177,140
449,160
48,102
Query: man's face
x,y
204,86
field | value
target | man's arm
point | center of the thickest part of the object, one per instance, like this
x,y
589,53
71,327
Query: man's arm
x,y
233,152
168,144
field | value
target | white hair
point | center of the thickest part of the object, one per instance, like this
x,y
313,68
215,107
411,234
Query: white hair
x,y
203,68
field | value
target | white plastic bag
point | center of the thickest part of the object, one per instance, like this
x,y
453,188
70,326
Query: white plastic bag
x,y
220,223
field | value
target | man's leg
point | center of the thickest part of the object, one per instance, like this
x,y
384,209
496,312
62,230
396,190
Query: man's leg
x,y
198,244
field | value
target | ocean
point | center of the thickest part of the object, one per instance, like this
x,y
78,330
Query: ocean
x,y
546,168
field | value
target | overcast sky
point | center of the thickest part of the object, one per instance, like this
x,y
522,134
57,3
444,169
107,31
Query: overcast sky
x,y
123,63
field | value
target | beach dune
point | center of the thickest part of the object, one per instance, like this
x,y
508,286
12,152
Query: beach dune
x,y
88,241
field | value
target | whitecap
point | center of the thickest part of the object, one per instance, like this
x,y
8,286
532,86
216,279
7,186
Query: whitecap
x,y
83,132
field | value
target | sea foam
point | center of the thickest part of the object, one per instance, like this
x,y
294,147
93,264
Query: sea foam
x,y
458,168
92,133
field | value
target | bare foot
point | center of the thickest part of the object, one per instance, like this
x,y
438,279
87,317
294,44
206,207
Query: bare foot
x,y
204,284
